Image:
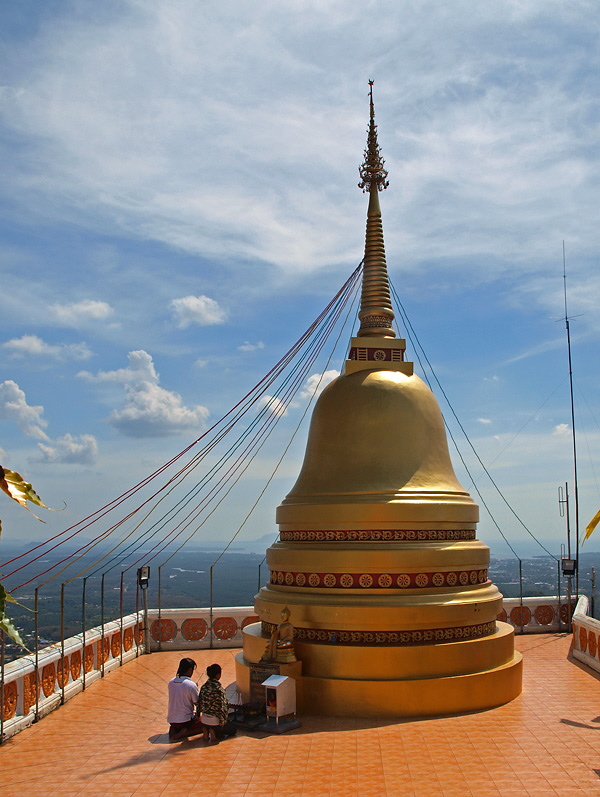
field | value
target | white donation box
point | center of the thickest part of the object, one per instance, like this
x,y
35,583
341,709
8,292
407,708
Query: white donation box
x,y
280,697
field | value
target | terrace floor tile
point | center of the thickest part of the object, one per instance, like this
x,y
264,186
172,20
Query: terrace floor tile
x,y
111,740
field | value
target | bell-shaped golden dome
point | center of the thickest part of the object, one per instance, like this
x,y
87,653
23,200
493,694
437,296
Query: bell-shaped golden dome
x,y
378,437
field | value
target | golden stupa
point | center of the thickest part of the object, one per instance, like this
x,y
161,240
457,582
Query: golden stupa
x,y
377,561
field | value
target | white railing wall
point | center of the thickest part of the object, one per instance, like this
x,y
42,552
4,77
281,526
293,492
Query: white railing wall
x,y
586,635
542,615
32,686
189,629
193,629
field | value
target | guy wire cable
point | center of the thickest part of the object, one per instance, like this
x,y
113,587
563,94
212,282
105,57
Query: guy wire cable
x,y
414,342
527,422
340,300
105,534
271,477
109,507
271,419
531,534
264,433
320,379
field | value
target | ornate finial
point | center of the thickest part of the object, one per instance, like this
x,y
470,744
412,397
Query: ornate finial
x,y
375,314
372,172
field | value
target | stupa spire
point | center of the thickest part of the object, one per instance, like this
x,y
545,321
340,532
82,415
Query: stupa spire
x,y
375,314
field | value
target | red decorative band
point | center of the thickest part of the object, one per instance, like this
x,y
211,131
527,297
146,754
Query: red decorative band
x,y
462,578
378,535
424,636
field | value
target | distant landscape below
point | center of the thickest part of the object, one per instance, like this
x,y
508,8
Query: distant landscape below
x,y
185,582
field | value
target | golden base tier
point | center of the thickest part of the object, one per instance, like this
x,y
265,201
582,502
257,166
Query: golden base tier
x,y
415,680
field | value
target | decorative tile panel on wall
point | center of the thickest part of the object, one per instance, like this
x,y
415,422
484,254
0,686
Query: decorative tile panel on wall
x,y
536,615
189,629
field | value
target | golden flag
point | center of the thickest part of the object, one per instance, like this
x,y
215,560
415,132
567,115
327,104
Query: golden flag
x,y
592,525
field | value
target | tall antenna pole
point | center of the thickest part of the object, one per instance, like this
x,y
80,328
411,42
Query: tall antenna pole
x,y
576,496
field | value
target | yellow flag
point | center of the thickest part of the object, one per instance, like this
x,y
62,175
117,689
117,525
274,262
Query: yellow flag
x,y
592,525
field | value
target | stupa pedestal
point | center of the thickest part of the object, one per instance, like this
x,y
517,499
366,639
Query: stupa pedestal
x,y
388,589
250,674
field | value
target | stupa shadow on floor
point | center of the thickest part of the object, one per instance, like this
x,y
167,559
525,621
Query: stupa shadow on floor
x,y
317,724
574,724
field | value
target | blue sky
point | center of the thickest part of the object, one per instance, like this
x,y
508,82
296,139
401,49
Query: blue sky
x,y
179,202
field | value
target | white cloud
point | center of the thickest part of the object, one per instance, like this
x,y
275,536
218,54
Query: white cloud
x,y
562,429
33,346
247,346
80,313
140,368
70,449
14,407
152,411
483,420
199,310
273,405
67,449
555,343
547,292
149,409
313,384
490,140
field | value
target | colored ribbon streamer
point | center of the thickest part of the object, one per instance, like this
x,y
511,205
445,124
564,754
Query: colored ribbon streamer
x,y
592,525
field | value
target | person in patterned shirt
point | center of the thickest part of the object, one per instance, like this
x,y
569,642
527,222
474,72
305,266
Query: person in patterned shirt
x,y
213,706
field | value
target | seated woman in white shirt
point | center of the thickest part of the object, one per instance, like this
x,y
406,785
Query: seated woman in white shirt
x,y
183,696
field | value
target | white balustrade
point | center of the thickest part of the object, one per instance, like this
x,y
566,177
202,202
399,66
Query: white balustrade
x,y
64,671
586,635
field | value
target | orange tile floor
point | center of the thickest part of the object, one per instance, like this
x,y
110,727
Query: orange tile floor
x,y
111,740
